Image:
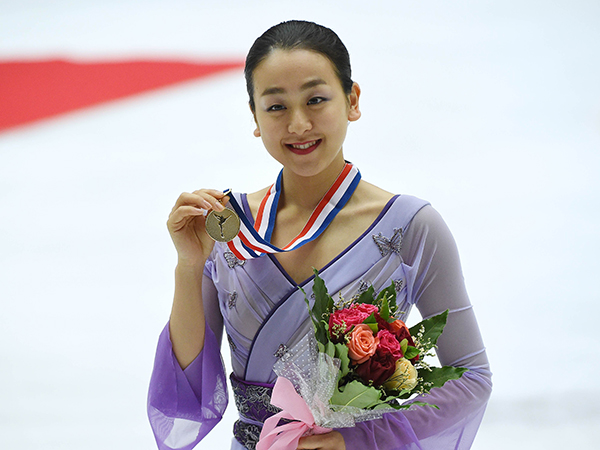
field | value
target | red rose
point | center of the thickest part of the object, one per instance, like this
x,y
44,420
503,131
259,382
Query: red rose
x,y
378,369
400,330
397,328
389,343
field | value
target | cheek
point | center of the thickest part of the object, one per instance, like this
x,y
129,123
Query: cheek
x,y
336,122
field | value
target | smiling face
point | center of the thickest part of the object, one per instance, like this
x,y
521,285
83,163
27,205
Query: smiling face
x,y
302,112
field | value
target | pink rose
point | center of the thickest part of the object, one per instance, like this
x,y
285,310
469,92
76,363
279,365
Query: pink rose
x,y
388,343
397,328
362,344
366,308
342,320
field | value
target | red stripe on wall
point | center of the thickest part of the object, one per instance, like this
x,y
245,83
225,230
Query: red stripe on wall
x,y
34,90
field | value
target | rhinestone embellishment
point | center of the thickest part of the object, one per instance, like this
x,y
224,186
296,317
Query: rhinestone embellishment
x,y
232,299
232,260
363,287
398,284
281,350
387,246
231,343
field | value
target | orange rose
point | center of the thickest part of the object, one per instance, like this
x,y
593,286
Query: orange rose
x,y
362,343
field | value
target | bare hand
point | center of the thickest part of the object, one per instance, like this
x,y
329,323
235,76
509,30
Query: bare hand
x,y
186,224
328,441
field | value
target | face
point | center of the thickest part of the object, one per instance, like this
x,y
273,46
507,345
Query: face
x,y
302,112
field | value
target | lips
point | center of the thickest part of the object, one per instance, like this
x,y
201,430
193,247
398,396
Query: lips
x,y
304,148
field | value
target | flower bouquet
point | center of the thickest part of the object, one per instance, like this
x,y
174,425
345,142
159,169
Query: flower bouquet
x,y
360,363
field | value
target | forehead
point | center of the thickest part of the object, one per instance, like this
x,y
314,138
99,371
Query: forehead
x,y
293,67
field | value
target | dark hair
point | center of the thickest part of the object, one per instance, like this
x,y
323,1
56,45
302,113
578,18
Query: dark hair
x,y
299,34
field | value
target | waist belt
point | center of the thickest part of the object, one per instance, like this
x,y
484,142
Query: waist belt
x,y
253,401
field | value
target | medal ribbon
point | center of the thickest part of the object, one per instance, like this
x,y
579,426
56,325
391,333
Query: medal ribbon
x,y
254,241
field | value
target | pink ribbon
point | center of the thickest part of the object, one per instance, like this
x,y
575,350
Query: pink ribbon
x,y
294,407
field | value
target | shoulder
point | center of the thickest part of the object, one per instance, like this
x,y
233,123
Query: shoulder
x,y
427,218
368,198
427,230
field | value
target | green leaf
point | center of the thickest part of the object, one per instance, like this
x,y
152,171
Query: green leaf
x,y
433,328
356,394
321,309
367,297
341,352
389,293
384,311
319,288
372,322
404,345
330,349
411,352
439,375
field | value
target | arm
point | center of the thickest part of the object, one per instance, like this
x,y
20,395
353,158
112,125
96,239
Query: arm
x,y
429,249
193,245
187,394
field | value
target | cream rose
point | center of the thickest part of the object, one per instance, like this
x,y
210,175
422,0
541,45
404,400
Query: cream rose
x,y
405,376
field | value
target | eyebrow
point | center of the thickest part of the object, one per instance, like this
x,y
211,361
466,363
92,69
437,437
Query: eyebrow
x,y
307,85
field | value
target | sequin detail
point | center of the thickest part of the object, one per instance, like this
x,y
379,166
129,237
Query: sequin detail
x,y
232,299
398,284
281,350
363,287
231,343
232,260
387,246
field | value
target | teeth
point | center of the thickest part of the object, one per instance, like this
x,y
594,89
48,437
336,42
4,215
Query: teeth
x,y
304,146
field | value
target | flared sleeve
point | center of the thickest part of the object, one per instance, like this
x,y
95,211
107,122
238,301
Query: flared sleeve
x,y
184,405
435,285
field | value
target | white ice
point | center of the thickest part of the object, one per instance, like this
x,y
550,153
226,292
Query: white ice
x,y
490,110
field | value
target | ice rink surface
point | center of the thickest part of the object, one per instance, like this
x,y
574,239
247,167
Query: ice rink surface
x,y
490,110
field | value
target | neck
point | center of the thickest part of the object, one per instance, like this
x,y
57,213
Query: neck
x,y
306,192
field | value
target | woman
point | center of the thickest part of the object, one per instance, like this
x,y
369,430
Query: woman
x,y
303,98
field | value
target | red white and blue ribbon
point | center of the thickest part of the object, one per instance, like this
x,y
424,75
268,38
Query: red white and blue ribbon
x,y
254,240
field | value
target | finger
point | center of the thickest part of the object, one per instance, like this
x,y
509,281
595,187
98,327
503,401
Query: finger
x,y
216,198
199,199
215,193
328,441
310,443
182,216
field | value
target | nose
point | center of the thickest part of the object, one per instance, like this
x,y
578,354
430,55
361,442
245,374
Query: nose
x,y
299,122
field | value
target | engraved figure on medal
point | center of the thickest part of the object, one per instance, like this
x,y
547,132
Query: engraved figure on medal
x,y
222,226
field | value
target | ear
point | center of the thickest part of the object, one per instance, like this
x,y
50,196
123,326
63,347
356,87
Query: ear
x,y
257,130
354,111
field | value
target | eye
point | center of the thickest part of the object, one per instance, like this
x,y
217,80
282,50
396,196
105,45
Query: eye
x,y
275,108
316,100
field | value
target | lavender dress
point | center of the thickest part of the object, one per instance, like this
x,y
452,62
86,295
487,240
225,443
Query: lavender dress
x,y
263,313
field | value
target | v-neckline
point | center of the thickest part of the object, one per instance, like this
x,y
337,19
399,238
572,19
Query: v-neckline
x,y
248,212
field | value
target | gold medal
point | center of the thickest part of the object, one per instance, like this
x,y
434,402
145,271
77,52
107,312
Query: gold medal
x,y
222,226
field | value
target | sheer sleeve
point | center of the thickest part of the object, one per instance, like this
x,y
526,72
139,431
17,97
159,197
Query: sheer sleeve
x,y
435,285
184,405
